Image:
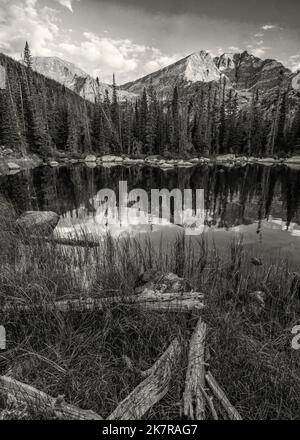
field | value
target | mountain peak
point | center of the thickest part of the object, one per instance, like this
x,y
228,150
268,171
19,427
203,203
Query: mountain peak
x,y
196,67
200,66
74,77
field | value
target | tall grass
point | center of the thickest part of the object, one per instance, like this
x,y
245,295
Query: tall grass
x,y
83,355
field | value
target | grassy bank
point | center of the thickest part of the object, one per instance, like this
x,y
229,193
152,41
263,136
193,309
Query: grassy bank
x,y
83,356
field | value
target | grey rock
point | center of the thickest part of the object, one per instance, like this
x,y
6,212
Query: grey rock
x,y
155,280
13,166
37,222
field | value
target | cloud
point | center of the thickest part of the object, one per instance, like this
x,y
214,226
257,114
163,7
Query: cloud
x,y
296,67
260,51
101,56
66,3
97,55
159,62
20,21
294,57
259,35
235,49
268,27
294,62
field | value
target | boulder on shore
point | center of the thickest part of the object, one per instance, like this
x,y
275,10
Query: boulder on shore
x,y
111,158
225,157
90,158
161,282
37,222
13,166
293,160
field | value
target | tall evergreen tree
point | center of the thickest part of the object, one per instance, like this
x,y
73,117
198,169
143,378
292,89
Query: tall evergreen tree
x,y
175,121
27,55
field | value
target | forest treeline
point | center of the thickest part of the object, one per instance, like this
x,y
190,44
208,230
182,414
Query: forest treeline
x,y
39,115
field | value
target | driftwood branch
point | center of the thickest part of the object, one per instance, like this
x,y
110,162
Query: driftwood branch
x,y
149,300
33,397
221,396
152,389
193,401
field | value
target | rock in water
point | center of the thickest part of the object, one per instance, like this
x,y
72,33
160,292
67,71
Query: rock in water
x,y
37,222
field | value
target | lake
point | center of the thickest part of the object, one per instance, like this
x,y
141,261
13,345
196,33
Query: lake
x,y
258,202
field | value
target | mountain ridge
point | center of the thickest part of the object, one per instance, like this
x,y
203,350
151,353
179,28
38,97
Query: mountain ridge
x,y
243,72
75,78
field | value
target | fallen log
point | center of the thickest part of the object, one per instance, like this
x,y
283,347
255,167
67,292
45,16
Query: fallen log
x,y
221,396
64,241
35,398
153,388
193,401
148,300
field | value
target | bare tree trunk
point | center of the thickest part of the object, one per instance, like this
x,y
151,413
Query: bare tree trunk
x,y
194,405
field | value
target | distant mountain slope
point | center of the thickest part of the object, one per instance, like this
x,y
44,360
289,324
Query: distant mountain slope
x,y
74,78
198,67
243,72
39,114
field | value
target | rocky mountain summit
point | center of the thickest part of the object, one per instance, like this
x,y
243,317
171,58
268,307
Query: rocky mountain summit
x,y
74,78
243,72
198,67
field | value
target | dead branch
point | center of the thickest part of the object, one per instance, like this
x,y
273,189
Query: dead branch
x,y
221,396
152,389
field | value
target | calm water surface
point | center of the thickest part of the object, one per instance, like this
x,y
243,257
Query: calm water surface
x,y
259,202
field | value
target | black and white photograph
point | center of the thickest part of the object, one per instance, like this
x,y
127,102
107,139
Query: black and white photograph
x,y
149,214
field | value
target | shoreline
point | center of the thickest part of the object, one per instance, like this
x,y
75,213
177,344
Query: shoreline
x,y
10,165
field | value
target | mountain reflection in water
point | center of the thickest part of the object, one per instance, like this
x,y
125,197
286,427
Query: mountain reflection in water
x,y
258,202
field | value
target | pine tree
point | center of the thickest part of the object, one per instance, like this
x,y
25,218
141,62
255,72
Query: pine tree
x,y
150,131
27,55
115,115
294,134
143,118
222,130
175,121
72,139
281,145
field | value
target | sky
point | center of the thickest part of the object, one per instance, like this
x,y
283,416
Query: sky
x,y
132,38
